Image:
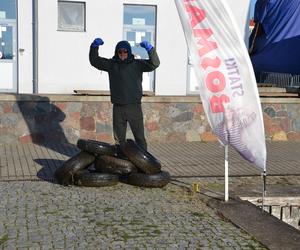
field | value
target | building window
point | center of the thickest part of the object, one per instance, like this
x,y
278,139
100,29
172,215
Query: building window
x,y
139,24
8,9
71,16
192,82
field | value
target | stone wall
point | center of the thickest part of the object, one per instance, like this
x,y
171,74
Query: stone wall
x,y
65,118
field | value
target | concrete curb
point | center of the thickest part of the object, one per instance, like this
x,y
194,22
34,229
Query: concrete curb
x,y
267,229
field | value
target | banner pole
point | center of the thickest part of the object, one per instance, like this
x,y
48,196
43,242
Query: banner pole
x,y
264,189
226,173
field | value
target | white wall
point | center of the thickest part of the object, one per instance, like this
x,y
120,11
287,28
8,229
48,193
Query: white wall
x,y
63,56
241,13
25,42
172,73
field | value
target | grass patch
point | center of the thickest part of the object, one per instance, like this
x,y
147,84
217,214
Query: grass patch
x,y
250,247
101,224
136,222
156,231
108,209
214,186
151,226
125,237
51,212
86,211
200,215
3,239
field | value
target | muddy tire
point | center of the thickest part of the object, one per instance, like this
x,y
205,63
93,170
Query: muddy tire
x,y
150,181
65,173
141,158
96,147
113,165
95,179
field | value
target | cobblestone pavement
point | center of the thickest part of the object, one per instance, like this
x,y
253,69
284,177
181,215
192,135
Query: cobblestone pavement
x,y
43,215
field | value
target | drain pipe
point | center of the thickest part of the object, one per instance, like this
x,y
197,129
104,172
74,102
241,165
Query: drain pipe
x,y
35,46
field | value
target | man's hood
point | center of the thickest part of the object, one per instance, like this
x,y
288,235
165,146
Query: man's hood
x,y
123,45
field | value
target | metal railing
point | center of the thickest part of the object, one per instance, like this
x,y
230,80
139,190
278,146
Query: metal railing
x,y
281,80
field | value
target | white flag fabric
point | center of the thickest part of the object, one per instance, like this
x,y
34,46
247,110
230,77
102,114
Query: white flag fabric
x,y
227,84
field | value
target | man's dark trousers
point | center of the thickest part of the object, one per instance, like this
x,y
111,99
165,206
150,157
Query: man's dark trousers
x,y
133,114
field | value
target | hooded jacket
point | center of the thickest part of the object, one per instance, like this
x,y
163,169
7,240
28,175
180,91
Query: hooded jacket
x,y
125,77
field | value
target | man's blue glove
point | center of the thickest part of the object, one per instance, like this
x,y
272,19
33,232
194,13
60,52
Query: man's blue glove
x,y
146,45
97,42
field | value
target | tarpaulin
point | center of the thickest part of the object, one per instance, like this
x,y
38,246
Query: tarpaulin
x,y
276,37
225,75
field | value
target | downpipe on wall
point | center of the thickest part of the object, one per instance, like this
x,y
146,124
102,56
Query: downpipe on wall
x,y
35,46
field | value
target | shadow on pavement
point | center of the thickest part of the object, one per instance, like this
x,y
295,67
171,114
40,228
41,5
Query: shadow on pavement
x,y
47,171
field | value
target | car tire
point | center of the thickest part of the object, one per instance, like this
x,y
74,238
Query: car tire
x,y
113,165
95,179
158,180
96,147
65,173
140,157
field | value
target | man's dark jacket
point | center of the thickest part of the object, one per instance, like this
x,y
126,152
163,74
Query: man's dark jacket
x,y
125,77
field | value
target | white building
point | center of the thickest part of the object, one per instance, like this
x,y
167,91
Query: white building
x,y
44,44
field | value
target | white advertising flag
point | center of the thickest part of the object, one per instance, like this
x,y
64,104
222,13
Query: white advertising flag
x,y
225,75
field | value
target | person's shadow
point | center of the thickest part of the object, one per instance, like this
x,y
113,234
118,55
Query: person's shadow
x,y
47,171
43,119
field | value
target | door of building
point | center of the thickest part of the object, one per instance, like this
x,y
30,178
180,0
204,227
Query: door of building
x,y
140,24
8,46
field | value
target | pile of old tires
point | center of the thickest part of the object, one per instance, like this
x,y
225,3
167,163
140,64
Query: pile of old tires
x,y
101,164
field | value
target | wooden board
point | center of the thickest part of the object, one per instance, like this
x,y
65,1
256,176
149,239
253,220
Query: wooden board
x,y
103,92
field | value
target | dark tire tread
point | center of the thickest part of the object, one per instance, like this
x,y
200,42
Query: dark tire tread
x,y
94,179
65,173
158,180
141,158
113,165
96,147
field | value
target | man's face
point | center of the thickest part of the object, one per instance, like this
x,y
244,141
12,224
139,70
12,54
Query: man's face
x,y
123,54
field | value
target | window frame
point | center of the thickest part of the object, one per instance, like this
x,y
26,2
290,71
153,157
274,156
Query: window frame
x,y
70,29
